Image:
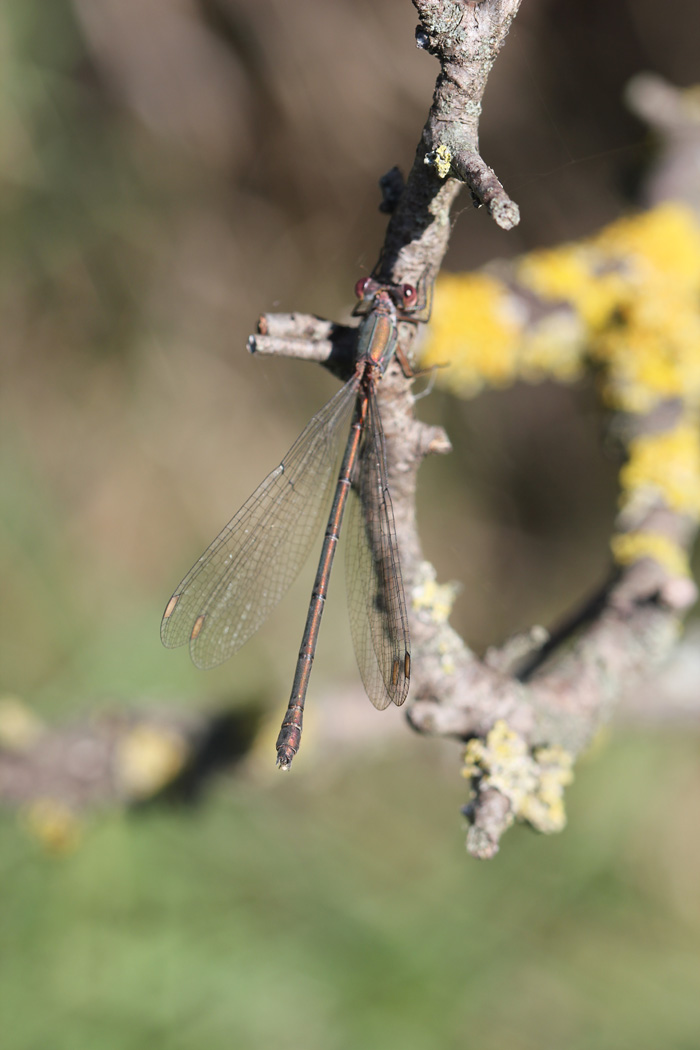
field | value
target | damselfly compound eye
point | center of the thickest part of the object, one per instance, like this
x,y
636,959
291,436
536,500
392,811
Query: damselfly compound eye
x,y
361,287
408,294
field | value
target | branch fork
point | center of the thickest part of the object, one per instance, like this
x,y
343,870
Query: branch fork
x,y
531,707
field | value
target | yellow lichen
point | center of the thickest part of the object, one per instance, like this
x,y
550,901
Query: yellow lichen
x,y
626,301
574,274
53,824
148,758
662,243
544,807
627,298
473,332
629,547
533,781
648,345
441,160
552,349
666,464
20,728
651,352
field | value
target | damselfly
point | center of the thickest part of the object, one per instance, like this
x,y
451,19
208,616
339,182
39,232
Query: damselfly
x,y
240,578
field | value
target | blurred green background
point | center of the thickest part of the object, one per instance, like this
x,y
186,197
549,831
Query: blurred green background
x,y
168,171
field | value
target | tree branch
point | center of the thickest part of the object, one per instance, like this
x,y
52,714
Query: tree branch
x,y
527,723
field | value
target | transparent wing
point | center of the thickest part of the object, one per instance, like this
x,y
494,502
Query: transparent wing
x,y
378,618
242,575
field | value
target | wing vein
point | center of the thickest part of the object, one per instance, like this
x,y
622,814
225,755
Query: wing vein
x,y
376,601
243,574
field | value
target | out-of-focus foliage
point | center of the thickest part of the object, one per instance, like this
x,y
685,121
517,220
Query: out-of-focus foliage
x,y
168,171
350,917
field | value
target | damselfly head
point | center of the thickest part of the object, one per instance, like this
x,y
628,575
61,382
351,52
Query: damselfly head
x,y
373,294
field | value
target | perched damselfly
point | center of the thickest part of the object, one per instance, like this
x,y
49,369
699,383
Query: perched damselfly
x,y
240,578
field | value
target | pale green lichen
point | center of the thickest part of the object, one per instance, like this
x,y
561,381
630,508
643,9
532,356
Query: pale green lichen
x,y
533,781
433,602
433,599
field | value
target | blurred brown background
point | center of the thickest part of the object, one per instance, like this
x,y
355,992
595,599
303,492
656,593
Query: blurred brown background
x,y
169,169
